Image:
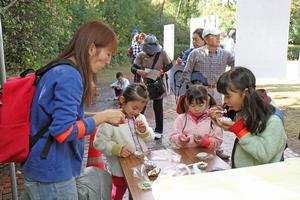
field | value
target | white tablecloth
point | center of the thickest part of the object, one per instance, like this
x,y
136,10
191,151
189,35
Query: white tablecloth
x,y
277,181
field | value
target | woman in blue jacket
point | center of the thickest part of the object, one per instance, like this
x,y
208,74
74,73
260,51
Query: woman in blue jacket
x,y
58,104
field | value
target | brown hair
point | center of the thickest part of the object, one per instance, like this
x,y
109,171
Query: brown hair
x,y
199,32
91,32
142,35
136,92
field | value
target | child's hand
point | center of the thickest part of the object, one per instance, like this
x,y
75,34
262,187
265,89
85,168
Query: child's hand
x,y
197,138
125,152
140,126
118,87
202,140
184,139
224,124
179,61
215,112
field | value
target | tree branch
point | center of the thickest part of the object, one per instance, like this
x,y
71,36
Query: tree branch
x,y
2,10
178,8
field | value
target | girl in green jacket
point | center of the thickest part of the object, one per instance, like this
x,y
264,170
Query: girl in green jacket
x,y
260,133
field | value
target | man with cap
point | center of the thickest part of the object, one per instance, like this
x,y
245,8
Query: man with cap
x,y
211,60
152,53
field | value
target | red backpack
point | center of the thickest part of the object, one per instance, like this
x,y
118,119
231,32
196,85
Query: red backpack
x,y
15,106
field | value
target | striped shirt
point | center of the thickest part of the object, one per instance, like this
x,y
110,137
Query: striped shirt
x,y
211,65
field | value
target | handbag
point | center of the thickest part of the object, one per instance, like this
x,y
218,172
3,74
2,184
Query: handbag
x,y
155,88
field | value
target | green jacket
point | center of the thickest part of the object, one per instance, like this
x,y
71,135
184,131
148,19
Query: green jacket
x,y
266,147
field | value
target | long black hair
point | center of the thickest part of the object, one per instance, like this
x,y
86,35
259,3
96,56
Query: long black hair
x,y
255,111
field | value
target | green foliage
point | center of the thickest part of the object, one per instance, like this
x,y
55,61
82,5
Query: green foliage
x,y
29,39
35,31
294,33
293,52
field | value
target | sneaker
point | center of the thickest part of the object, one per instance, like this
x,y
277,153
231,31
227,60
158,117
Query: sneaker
x,y
157,135
116,98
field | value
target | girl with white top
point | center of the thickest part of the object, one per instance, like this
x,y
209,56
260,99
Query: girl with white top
x,y
125,139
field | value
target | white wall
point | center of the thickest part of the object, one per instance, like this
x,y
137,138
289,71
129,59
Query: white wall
x,y
262,36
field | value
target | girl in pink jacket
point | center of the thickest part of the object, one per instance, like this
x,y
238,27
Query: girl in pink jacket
x,y
194,127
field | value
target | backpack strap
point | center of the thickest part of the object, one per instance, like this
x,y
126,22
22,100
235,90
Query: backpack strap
x,y
33,139
155,59
40,72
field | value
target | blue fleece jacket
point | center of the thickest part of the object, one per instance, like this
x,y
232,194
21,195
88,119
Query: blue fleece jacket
x,y
58,99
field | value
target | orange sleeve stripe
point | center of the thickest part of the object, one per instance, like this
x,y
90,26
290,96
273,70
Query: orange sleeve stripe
x,y
243,132
62,137
81,129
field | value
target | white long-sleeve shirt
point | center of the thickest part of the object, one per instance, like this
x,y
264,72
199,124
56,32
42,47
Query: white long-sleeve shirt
x,y
110,140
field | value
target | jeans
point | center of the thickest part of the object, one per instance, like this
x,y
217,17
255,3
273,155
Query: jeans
x,y
64,190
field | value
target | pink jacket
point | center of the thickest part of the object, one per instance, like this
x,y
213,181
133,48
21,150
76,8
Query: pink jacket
x,y
202,126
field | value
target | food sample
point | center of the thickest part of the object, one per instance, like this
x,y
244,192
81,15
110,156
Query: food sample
x,y
145,185
202,165
154,172
149,165
202,155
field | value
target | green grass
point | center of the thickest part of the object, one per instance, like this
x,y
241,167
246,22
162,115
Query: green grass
x,y
109,73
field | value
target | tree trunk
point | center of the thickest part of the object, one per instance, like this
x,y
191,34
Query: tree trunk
x,y
187,12
178,8
162,10
52,6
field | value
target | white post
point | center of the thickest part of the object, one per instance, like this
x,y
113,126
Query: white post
x,y
12,169
169,40
2,62
169,45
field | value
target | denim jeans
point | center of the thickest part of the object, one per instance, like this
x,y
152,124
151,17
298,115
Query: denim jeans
x,y
64,190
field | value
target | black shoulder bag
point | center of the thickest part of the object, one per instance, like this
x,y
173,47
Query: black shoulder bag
x,y
155,88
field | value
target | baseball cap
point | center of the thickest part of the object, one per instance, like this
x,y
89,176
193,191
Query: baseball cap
x,y
210,30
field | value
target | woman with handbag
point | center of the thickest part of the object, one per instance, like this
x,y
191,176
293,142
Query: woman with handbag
x,y
151,60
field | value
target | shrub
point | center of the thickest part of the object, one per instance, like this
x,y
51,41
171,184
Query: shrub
x,y
293,52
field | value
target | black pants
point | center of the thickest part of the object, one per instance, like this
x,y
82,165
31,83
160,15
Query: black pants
x,y
137,78
159,115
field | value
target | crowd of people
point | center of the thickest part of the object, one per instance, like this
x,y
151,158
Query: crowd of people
x,y
63,92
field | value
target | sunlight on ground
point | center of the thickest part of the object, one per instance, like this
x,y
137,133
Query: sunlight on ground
x,y
287,97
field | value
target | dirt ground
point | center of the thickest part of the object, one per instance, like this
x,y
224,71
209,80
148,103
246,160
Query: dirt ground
x,y
287,96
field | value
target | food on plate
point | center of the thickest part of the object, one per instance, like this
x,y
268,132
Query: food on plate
x,y
154,172
202,155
